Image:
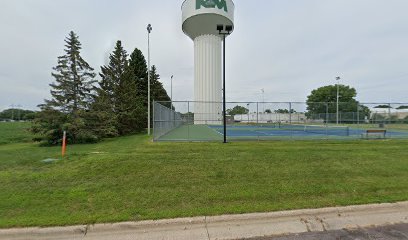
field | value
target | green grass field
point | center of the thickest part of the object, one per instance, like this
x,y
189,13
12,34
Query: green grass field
x,y
131,178
14,132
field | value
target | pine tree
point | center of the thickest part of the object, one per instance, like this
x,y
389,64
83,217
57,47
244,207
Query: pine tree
x,y
72,93
138,63
158,93
111,75
130,109
101,118
74,79
118,100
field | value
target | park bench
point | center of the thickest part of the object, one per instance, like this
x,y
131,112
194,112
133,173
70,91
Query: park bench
x,y
380,133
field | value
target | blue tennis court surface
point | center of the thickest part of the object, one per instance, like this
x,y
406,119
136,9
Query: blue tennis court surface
x,y
305,131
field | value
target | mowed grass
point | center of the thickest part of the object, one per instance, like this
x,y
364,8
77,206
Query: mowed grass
x,y
14,132
131,179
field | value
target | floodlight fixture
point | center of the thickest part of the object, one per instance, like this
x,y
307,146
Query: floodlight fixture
x,y
229,28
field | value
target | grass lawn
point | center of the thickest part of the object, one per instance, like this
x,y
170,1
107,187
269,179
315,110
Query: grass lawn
x,y
131,178
14,132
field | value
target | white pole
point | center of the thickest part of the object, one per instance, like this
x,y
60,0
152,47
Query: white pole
x,y
149,29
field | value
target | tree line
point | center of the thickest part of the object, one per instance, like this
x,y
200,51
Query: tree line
x,y
321,104
90,108
16,114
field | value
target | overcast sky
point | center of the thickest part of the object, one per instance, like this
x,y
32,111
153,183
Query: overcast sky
x,y
286,47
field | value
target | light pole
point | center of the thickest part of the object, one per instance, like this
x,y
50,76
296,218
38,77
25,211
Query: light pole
x,y
263,100
19,112
228,30
149,30
12,111
171,92
337,112
248,111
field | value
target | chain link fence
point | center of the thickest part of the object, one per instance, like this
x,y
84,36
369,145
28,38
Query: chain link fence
x,y
166,119
203,121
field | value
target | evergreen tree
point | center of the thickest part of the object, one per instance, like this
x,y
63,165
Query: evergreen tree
x,y
72,93
111,75
118,102
158,93
102,119
74,78
130,110
48,125
137,62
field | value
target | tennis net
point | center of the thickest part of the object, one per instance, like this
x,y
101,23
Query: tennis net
x,y
317,129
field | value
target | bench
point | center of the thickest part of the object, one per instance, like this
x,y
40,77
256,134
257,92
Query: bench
x,y
381,133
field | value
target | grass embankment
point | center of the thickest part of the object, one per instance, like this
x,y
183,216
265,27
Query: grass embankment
x,y
131,178
14,132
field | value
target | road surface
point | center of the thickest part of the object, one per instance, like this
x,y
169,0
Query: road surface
x,y
393,232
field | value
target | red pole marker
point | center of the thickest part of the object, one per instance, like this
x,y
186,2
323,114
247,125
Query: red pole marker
x,y
64,143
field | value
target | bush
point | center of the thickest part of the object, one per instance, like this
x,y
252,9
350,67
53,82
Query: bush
x,y
50,125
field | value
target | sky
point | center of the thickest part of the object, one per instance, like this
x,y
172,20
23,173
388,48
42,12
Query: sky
x,y
287,48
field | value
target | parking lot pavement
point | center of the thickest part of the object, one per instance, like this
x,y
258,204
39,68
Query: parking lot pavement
x,y
393,232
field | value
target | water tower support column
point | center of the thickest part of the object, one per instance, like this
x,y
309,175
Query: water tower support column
x,y
200,22
208,83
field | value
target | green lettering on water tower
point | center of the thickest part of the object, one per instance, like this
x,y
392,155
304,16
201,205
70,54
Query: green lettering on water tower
x,y
221,4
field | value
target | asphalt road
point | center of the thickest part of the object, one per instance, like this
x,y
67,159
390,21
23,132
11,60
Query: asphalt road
x,y
393,232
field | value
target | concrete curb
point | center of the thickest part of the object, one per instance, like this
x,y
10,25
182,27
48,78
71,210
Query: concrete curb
x,y
227,226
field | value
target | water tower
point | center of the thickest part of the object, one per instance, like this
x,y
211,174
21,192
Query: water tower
x,y
200,20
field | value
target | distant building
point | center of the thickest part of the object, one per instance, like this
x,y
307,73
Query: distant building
x,y
271,117
386,114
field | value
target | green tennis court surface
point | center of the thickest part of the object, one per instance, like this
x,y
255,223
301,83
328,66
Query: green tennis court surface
x,y
192,132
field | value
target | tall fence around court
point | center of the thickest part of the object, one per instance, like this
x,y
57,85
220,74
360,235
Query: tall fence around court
x,y
166,119
203,121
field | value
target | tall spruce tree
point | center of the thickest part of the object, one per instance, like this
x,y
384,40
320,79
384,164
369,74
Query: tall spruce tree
x,y
130,110
112,73
74,78
137,62
71,93
158,93
118,94
102,118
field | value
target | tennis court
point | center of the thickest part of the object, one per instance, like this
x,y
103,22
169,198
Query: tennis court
x,y
271,132
179,123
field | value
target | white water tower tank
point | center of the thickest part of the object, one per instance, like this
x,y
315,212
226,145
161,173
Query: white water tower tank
x,y
200,20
